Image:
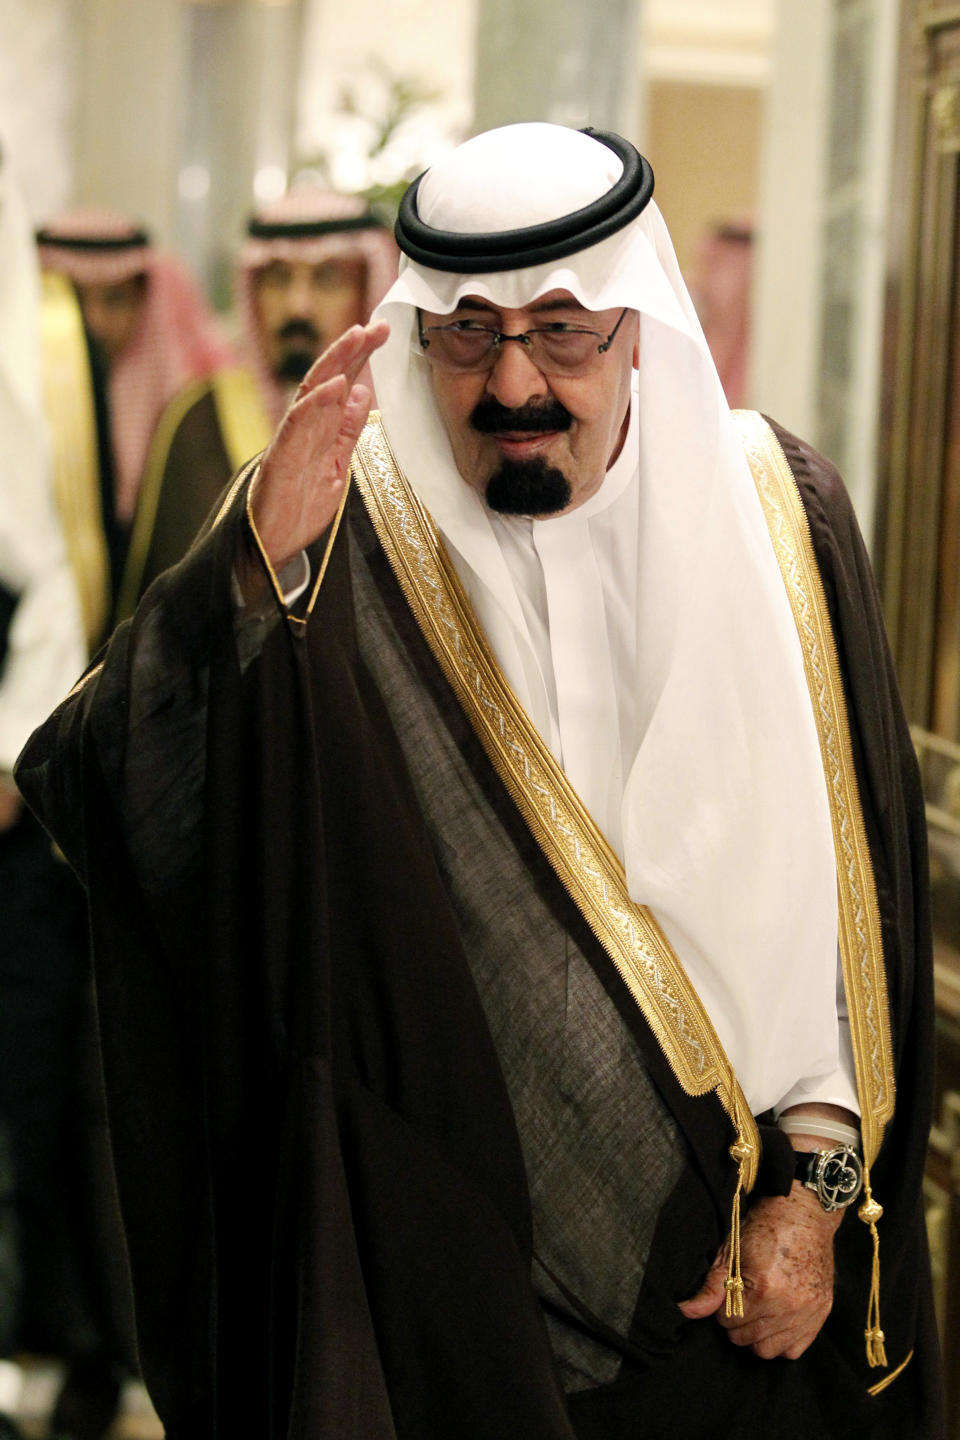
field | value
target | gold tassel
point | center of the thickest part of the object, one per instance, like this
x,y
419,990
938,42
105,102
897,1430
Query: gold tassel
x,y
733,1285
870,1212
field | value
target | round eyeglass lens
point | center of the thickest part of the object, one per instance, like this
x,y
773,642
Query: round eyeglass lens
x,y
476,349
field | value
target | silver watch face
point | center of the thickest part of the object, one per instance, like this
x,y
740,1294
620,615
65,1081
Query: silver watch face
x,y
837,1178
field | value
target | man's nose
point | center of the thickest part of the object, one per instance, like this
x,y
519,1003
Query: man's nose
x,y
299,298
514,378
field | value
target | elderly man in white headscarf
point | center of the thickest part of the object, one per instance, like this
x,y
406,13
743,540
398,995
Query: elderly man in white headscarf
x,y
559,831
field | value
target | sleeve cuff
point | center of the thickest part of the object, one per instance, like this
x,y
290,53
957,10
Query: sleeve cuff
x,y
294,578
838,1088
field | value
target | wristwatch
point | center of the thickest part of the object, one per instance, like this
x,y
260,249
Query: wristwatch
x,y
835,1176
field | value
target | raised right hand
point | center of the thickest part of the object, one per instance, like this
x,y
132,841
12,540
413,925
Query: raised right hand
x,y
298,487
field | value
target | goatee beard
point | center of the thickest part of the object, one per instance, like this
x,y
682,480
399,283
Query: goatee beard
x,y
528,487
294,364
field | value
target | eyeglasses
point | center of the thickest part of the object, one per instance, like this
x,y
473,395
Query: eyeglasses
x,y
466,348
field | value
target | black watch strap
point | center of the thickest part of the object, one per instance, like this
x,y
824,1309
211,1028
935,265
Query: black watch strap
x,y
835,1176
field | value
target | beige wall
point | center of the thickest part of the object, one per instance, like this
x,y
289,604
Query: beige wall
x,y
428,42
703,142
785,340
37,98
130,68
720,42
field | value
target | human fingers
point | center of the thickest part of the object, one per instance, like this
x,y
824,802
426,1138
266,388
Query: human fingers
x,y
347,355
354,417
327,429
759,1329
773,1307
333,391
796,1348
788,1344
323,398
310,425
710,1297
771,1328
314,418
355,413
374,336
332,361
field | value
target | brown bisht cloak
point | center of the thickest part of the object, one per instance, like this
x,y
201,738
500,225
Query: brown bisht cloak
x,y
315,1124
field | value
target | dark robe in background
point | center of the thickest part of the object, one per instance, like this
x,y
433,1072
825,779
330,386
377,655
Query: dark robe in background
x,y
74,1300
196,467
206,432
342,1002
116,536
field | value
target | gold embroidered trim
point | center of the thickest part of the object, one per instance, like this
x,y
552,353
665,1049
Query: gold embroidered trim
x,y
231,494
327,551
861,947
68,401
888,1380
274,578
243,420
245,431
579,853
83,681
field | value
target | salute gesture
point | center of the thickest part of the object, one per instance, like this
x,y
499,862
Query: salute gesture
x,y
304,468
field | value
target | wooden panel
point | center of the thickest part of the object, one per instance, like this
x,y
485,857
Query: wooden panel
x,y
940,770
920,558
921,482
942,1204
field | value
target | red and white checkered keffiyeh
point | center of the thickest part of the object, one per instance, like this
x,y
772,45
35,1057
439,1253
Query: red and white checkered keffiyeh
x,y
720,287
178,339
302,207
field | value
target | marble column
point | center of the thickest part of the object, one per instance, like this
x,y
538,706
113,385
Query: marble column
x,y
184,116
129,86
572,62
241,59
37,98
823,229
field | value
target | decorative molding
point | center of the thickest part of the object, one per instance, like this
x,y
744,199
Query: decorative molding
x,y
941,1186
698,42
945,112
201,3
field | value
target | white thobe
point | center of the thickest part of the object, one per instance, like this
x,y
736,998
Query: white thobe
x,y
574,576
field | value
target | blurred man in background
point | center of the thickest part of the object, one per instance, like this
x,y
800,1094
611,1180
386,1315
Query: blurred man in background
x,y
123,327
314,263
720,289
151,332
